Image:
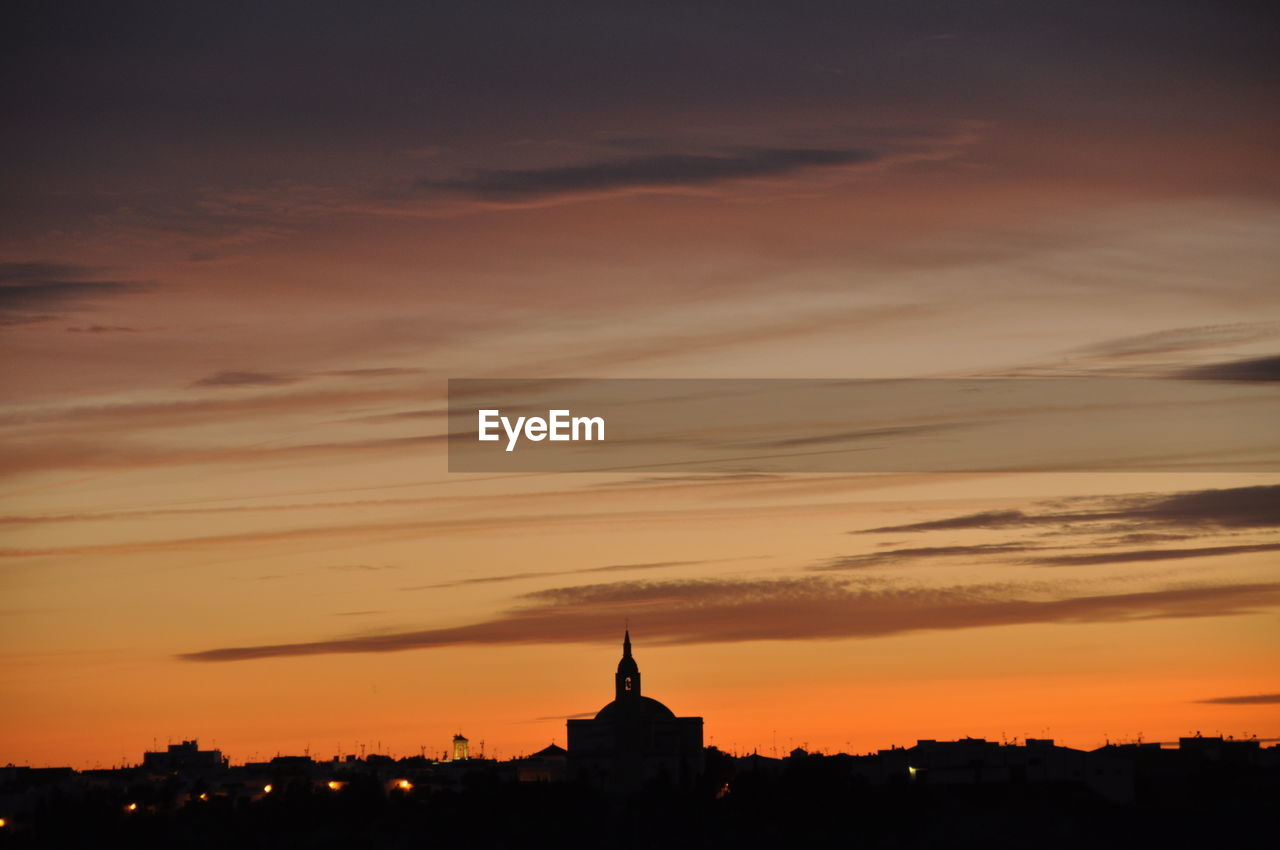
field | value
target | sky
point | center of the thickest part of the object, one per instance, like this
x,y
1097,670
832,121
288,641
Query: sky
x,y
244,246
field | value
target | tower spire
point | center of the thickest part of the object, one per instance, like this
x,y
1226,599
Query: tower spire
x,y
627,679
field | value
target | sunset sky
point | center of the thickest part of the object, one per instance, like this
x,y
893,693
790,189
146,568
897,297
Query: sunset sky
x,y
243,247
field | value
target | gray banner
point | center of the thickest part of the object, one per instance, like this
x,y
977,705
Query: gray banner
x,y
917,425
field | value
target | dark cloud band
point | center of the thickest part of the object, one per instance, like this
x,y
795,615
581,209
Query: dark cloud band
x,y
1265,369
715,611
37,291
1230,508
1253,699
662,170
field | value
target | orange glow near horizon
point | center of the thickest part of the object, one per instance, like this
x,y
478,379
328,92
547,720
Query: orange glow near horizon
x,y
225,502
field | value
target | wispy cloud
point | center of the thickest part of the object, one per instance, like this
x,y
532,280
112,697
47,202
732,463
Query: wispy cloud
x,y
501,579
404,415
667,170
1138,555
1177,340
104,329
1253,699
579,716
238,378
97,419
245,379
362,568
854,436
1139,538
725,610
374,372
982,519
1230,508
23,456
919,553
34,292
1264,369
487,522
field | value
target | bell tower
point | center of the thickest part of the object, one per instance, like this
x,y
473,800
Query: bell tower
x,y
627,679
634,739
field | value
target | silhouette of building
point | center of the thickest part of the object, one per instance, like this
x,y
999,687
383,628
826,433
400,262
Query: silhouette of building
x,y
546,765
977,761
461,748
1217,749
634,739
183,757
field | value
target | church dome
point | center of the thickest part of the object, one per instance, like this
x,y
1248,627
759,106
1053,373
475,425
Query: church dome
x,y
629,706
632,708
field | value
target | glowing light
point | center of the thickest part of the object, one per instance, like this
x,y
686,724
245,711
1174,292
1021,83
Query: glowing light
x,y
335,785
204,796
266,789
132,807
404,785
912,771
3,823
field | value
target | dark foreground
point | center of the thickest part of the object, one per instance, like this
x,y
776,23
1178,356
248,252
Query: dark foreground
x,y
814,803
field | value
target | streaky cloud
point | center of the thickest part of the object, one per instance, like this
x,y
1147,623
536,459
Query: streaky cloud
x,y
1137,555
811,608
104,329
373,372
32,292
249,378
983,519
1177,340
1258,369
24,457
853,436
509,577
1252,699
1230,508
235,378
918,553
658,170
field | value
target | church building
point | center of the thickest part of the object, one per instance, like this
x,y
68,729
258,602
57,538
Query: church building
x,y
635,739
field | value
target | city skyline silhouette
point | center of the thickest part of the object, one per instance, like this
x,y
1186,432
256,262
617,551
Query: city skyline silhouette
x,y
637,713
635,762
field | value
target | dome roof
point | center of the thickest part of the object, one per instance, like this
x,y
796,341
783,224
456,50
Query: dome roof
x,y
634,708
552,751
